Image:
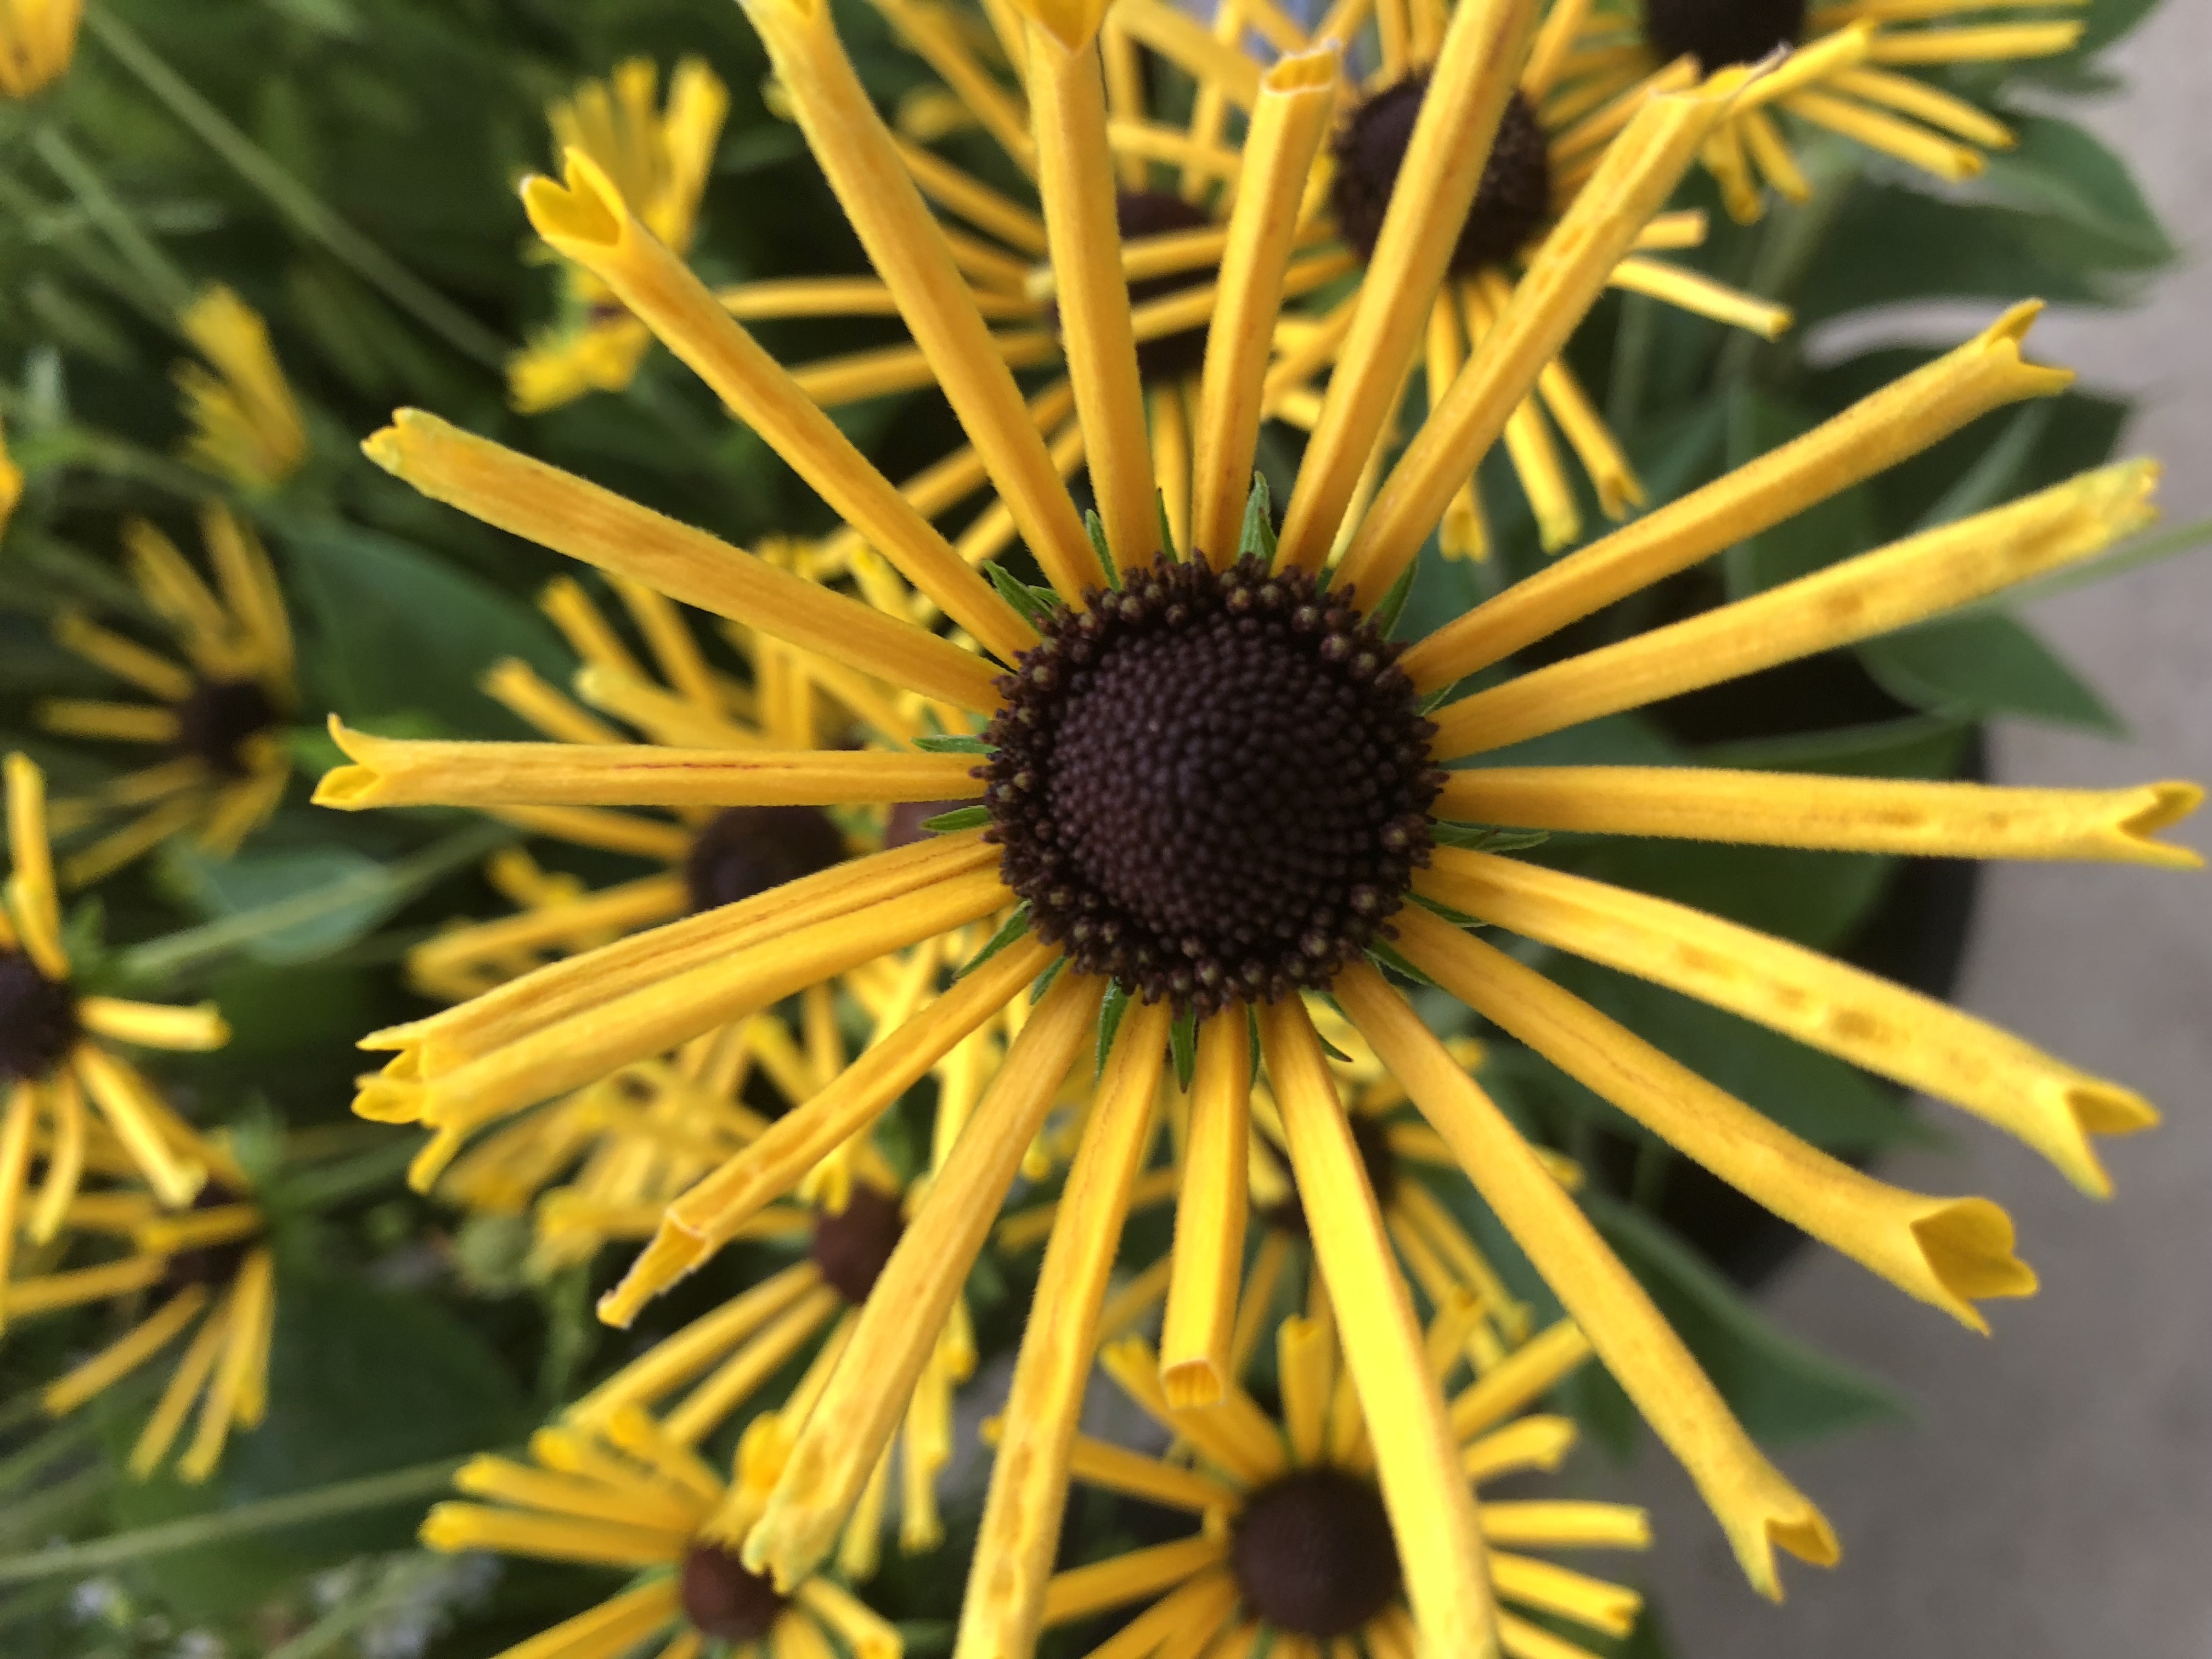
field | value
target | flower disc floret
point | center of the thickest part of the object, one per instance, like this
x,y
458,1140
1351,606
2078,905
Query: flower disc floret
x,y
852,1246
746,850
1510,204
1211,786
1313,1553
217,718
38,1020
722,1600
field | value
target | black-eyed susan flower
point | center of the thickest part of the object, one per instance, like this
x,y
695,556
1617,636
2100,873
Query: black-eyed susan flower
x,y
1292,1544
629,1497
215,716
1213,781
1843,74
246,424
210,1277
11,483
658,155
38,38
64,1079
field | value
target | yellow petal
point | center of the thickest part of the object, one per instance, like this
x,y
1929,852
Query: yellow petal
x,y
1905,582
197,1029
1431,1509
1020,1533
1875,433
1822,1003
117,1361
1756,1506
1208,1253
1119,1580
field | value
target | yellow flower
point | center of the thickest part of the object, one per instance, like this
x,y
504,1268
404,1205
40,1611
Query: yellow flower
x,y
55,1057
1214,779
629,1495
38,38
217,714
658,159
1842,76
246,424
11,483
208,1266
1296,1544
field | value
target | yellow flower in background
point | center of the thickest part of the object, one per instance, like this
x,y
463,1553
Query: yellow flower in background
x,y
217,714
246,423
1212,779
11,483
1295,1553
632,1498
38,38
210,1273
1843,77
64,1082
658,158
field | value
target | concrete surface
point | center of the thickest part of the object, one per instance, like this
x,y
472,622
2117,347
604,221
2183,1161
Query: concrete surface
x,y
2055,1498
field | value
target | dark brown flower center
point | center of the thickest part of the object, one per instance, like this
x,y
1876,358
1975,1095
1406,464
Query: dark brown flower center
x,y
38,1020
1313,1553
1211,785
852,1245
1288,1214
211,1265
724,1601
1510,204
1719,32
749,849
217,717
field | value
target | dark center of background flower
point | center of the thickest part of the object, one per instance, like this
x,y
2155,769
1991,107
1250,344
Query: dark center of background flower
x,y
1510,204
1719,32
211,1264
724,1602
749,849
852,1246
1288,1214
1313,1553
38,1020
1210,786
217,718
904,825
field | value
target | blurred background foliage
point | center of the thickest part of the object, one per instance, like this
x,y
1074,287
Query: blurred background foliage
x,y
349,167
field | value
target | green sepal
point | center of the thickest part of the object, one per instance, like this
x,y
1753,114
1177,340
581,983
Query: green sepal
x,y
937,744
1045,979
1486,837
1457,918
1110,1022
1182,1046
1095,527
1257,539
1009,930
1385,616
965,817
1037,606
1167,529
1384,954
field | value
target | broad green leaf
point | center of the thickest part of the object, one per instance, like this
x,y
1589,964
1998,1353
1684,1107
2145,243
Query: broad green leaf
x,y
362,891
2065,170
1815,898
1779,1389
1980,666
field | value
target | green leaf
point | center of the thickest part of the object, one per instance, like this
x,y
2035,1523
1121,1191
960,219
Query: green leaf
x,y
1095,527
1009,930
1110,1010
1833,529
935,744
1257,539
1779,1389
1980,666
1182,1046
965,817
360,890
2064,170
393,629
1030,601
1997,474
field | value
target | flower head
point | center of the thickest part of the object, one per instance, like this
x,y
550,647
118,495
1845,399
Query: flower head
x,y
573,1020
1847,73
217,714
246,424
658,158
38,38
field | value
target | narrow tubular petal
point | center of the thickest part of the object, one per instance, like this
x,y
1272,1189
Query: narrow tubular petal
x,y
562,989
1467,90
712,1212
558,510
1417,1456
197,1029
401,772
1297,97
117,1361
1120,1579
452,1527
137,1116
676,1360
657,1017
1875,433
1755,1504
1946,1251
33,904
859,1410
1590,1603
1905,582
1075,178
1014,1550
1210,1217
127,659
1116,1469
1691,290
1858,815
1182,40
1840,1010
1569,271
1989,42
1565,1523
909,253
587,222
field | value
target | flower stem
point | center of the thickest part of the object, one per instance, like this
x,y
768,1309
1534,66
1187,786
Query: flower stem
x,y
297,203
169,285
